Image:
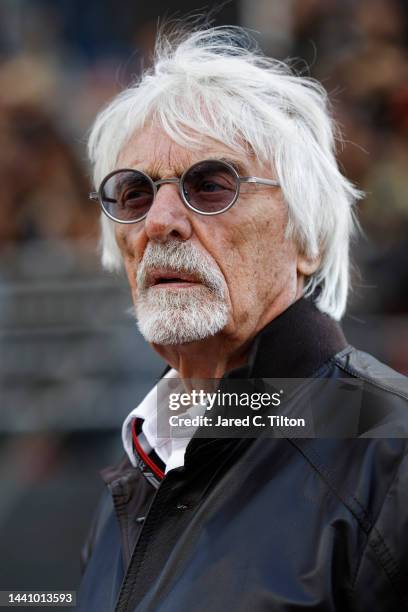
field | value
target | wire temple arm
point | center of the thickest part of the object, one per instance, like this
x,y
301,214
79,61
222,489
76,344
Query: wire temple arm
x,y
261,181
95,197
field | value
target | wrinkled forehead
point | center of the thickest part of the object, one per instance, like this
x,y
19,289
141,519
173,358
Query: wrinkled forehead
x,y
153,151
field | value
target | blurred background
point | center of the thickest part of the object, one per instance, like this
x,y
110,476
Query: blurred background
x,y
72,362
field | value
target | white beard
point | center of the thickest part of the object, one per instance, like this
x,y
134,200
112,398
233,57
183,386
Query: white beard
x,y
171,316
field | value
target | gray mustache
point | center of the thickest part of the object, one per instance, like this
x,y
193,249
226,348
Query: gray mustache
x,y
181,257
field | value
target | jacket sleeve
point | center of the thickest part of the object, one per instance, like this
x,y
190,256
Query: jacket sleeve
x,y
381,582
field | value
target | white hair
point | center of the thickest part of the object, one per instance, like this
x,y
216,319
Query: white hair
x,y
251,103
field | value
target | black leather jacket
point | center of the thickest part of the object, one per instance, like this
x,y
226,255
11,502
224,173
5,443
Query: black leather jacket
x,y
267,524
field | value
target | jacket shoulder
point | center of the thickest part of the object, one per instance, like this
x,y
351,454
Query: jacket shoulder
x,y
364,366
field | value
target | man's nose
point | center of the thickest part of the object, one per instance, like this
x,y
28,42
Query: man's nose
x,y
168,216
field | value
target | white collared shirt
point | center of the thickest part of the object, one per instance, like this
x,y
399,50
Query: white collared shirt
x,y
170,450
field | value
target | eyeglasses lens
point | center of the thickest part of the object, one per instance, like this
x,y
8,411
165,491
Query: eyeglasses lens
x,y
210,186
127,195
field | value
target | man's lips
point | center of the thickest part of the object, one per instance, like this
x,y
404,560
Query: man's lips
x,y
170,278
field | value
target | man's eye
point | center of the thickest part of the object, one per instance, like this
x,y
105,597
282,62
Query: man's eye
x,y
133,200
211,187
132,195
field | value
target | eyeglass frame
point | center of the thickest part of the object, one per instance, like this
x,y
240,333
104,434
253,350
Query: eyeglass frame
x,y
96,196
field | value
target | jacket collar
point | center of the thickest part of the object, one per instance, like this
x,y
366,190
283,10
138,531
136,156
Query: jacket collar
x,y
296,344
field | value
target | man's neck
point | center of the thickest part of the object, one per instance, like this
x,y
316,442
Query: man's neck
x,y
205,359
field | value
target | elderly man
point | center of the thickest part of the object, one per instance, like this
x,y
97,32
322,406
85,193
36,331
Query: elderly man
x,y
223,201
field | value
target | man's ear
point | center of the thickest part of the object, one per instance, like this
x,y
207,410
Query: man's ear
x,y
306,265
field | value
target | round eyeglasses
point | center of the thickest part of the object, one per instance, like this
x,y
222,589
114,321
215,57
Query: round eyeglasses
x,y
209,187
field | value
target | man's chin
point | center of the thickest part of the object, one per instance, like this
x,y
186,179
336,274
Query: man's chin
x,y
177,326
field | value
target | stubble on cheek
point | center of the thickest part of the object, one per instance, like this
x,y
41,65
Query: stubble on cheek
x,y
265,258
131,272
130,257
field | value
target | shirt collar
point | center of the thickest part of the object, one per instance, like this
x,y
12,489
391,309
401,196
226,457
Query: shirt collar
x,y
148,411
